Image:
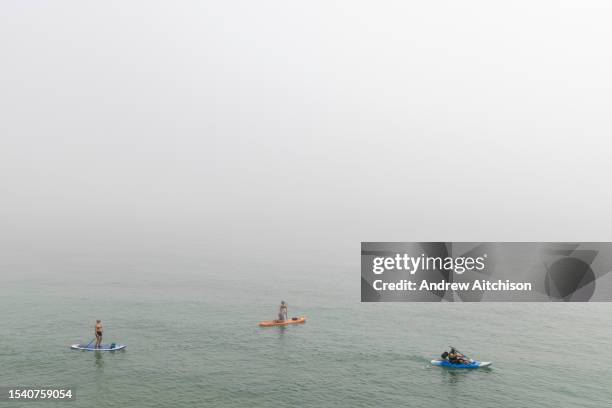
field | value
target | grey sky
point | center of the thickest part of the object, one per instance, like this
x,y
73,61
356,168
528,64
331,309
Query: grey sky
x,y
286,125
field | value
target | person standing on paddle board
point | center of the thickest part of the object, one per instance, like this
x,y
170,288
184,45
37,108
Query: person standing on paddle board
x,y
99,330
282,311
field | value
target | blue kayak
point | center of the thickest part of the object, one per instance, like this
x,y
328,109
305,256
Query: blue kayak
x,y
103,347
472,364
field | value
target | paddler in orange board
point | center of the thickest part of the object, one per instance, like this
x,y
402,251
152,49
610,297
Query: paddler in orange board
x,y
282,312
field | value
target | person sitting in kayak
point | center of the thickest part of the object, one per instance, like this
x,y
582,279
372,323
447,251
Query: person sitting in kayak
x,y
99,329
282,312
455,357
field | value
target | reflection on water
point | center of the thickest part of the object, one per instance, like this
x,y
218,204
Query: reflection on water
x,y
455,376
99,360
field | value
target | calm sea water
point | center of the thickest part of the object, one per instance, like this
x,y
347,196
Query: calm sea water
x,y
193,340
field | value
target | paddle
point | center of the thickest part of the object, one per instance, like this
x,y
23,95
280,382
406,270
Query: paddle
x,y
88,344
457,350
